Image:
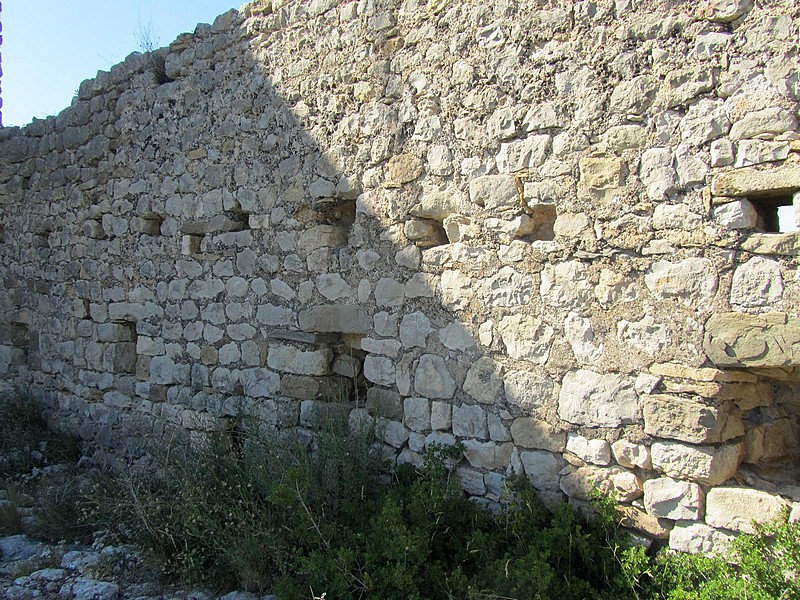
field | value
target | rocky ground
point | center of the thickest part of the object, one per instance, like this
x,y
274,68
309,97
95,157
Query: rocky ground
x,y
32,569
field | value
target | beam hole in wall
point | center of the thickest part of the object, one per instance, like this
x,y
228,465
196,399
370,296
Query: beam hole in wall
x,y
772,434
150,224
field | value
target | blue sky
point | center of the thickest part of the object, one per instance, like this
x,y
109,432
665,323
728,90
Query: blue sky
x,y
50,46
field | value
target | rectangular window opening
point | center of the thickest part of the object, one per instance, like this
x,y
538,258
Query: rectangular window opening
x,y
777,213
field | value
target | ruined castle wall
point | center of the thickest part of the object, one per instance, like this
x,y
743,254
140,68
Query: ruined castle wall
x,y
545,229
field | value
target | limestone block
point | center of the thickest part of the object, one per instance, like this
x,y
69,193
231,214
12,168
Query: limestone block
x,y
394,433
148,346
290,359
270,314
404,168
645,335
737,508
725,11
417,414
380,370
739,214
692,281
389,292
743,340
702,373
260,383
495,192
527,390
229,354
571,224
440,160
304,387
320,236
673,499
602,172
699,538
441,416
634,96
382,402
483,382
120,357
522,154
618,483
658,174
635,518
579,333
781,244
456,336
754,152
542,468
690,166
528,432
596,452
162,370
414,330
703,464
757,282
722,153
625,137
693,421
469,421
768,123
596,400
682,85
546,115
506,288
432,379
421,285
675,216
424,233
471,481
340,318
526,338
438,205
389,348
705,120
566,285
754,181
630,455
333,286
487,455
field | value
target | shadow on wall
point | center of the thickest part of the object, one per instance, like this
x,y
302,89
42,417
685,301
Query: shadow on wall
x,y
311,209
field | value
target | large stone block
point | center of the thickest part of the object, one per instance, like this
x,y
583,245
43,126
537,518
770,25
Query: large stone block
x,y
602,173
542,468
341,318
483,380
703,464
673,499
526,338
432,379
755,181
596,400
290,359
743,340
583,483
698,538
737,508
677,418
528,432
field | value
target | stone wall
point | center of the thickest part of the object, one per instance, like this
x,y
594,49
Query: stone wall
x,y
545,229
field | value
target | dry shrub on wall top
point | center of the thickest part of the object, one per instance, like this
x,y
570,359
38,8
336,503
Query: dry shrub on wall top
x,y
147,42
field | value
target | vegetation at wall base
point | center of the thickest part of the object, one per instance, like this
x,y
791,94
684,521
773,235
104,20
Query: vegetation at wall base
x,y
300,517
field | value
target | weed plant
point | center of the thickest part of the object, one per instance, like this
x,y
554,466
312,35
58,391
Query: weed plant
x,y
305,517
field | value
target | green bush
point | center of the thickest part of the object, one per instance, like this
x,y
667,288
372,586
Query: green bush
x,y
27,440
